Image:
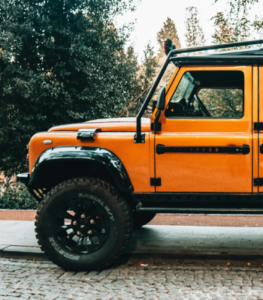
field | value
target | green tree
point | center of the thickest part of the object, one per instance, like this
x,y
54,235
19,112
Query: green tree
x,y
61,61
168,31
234,25
194,32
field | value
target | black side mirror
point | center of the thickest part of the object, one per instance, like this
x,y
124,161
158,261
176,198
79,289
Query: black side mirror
x,y
161,99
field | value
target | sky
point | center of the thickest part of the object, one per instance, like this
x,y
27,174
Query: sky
x,y
151,14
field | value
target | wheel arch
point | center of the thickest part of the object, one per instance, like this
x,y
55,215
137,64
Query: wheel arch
x,y
58,164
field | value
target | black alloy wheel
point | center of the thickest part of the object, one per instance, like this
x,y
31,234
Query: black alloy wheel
x,y
82,226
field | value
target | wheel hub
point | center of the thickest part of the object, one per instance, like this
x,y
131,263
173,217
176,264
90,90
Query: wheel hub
x,y
83,227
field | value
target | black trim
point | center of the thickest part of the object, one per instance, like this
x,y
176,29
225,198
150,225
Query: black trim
x,y
258,181
261,149
87,134
139,139
155,182
161,149
103,156
258,126
200,202
196,211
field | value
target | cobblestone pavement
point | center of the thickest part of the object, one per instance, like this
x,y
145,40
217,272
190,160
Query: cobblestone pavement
x,y
22,279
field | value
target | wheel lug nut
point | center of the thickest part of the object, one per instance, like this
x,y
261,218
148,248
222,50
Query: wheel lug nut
x,y
75,223
83,216
92,221
90,232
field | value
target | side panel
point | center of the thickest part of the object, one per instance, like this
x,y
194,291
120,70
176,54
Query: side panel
x,y
135,157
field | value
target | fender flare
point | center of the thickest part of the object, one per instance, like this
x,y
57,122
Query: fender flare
x,y
100,155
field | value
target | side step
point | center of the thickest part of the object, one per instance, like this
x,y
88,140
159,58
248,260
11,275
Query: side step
x,y
194,211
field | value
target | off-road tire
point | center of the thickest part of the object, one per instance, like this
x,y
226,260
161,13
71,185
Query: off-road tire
x,y
142,218
119,216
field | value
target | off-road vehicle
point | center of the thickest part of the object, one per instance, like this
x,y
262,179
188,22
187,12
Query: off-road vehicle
x,y
199,152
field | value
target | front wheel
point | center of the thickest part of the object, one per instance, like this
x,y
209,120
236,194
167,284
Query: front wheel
x,y
83,224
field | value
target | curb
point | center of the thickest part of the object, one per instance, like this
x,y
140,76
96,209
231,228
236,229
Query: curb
x,y
35,253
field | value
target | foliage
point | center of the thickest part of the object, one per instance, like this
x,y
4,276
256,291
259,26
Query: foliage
x,y
145,76
17,198
194,32
61,62
168,31
224,103
234,25
223,30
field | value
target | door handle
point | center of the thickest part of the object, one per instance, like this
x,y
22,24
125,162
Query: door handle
x,y
245,149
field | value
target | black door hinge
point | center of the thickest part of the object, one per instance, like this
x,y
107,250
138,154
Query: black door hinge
x,y
156,126
258,126
258,181
155,181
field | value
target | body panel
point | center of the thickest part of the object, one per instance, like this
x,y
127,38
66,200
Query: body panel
x,y
134,157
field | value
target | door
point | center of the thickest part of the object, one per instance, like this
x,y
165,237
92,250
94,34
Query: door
x,y
205,143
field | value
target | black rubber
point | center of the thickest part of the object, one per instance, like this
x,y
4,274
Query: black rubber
x,y
105,195
142,218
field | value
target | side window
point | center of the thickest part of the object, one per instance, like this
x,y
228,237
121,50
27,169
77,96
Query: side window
x,y
213,94
225,103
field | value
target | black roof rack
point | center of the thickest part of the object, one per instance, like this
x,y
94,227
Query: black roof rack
x,y
250,56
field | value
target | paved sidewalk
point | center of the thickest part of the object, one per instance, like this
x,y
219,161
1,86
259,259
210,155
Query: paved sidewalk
x,y
17,239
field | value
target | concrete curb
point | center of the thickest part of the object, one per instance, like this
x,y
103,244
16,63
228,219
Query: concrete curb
x,y
35,253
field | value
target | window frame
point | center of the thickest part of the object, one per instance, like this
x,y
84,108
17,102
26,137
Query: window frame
x,y
196,91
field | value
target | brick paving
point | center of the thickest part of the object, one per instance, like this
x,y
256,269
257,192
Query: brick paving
x,y
21,279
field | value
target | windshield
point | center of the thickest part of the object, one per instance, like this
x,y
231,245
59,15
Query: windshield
x,y
185,88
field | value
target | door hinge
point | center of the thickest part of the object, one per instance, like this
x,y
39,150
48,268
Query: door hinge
x,y
155,181
258,181
156,126
258,126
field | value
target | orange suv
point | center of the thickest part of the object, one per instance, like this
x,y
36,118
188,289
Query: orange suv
x,y
199,152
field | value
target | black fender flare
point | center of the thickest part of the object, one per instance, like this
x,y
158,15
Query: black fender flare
x,y
101,155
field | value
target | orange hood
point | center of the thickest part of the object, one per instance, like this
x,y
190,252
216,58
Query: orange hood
x,y
115,124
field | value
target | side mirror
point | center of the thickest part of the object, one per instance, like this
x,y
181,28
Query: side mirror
x,y
161,99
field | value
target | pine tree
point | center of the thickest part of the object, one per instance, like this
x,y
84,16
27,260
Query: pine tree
x,y
61,62
194,32
168,31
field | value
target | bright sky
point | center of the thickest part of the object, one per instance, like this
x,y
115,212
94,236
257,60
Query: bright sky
x,y
151,14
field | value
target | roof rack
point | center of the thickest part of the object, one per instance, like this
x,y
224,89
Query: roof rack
x,y
139,137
